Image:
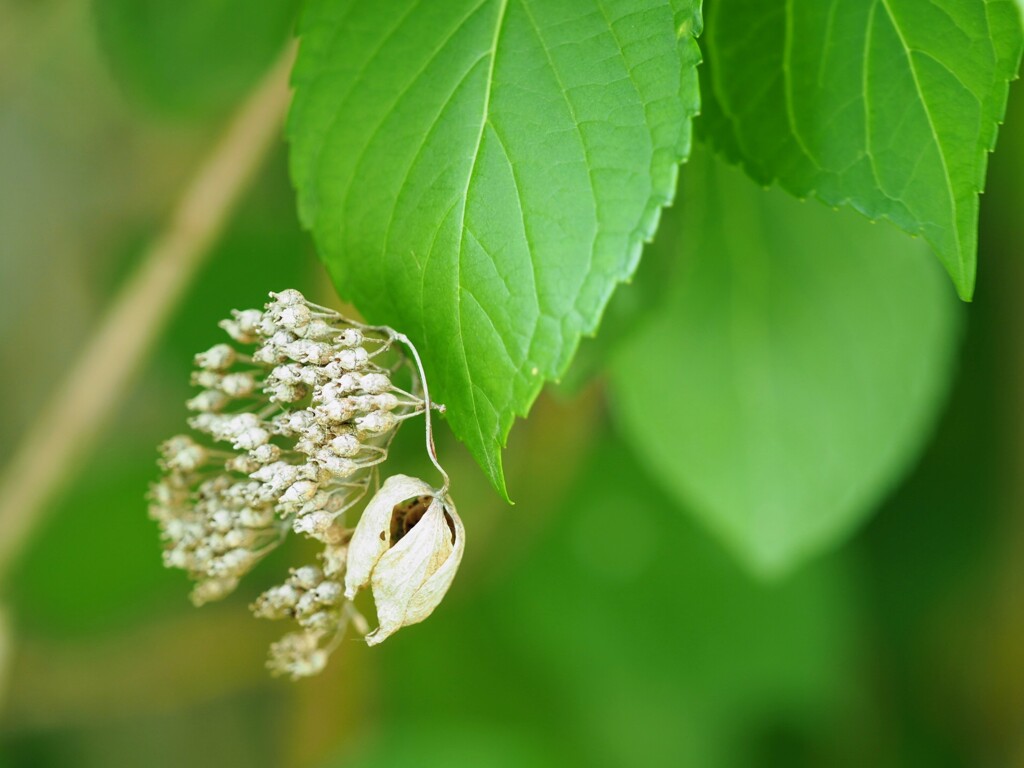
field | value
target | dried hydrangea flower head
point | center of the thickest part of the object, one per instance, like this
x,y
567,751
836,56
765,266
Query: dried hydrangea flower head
x,y
297,423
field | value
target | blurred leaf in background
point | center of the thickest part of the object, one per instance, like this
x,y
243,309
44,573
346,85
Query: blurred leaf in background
x,y
793,373
191,57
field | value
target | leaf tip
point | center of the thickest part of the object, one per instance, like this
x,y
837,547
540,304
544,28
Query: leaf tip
x,y
495,472
964,280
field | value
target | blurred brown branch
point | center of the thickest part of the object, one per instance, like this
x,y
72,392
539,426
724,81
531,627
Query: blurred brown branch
x,y
97,380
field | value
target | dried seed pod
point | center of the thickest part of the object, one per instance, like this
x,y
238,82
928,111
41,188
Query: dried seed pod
x,y
407,546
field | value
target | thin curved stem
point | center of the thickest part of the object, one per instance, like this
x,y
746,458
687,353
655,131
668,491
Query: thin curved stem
x,y
431,450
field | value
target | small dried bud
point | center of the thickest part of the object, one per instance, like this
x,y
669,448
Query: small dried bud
x,y
210,590
319,330
216,358
315,524
308,351
352,359
375,383
242,463
296,317
276,603
345,445
350,337
339,467
307,577
298,655
376,422
207,401
251,438
337,411
299,493
170,492
206,379
256,517
238,384
283,392
343,386
265,454
289,297
334,557
244,327
184,454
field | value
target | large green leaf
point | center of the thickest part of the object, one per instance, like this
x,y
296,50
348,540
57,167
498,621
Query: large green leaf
x,y
794,373
890,106
482,173
191,56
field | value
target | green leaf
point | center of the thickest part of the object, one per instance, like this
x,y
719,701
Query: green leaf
x,y
187,57
480,174
889,106
794,374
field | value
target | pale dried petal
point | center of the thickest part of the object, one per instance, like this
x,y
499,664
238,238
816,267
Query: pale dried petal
x,y
427,597
372,536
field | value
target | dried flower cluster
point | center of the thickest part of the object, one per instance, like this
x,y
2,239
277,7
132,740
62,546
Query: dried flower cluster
x,y
296,430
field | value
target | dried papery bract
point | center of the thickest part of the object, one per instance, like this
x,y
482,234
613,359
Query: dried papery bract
x,y
297,422
407,546
372,536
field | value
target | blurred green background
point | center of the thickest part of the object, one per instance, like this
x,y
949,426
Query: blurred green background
x,y
595,623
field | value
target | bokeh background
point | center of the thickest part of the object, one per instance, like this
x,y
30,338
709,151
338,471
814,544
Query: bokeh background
x,y
594,623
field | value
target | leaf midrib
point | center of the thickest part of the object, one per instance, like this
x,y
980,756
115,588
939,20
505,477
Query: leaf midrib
x,y
485,116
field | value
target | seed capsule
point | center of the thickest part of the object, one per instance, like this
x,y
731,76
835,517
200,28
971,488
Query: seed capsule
x,y
407,546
